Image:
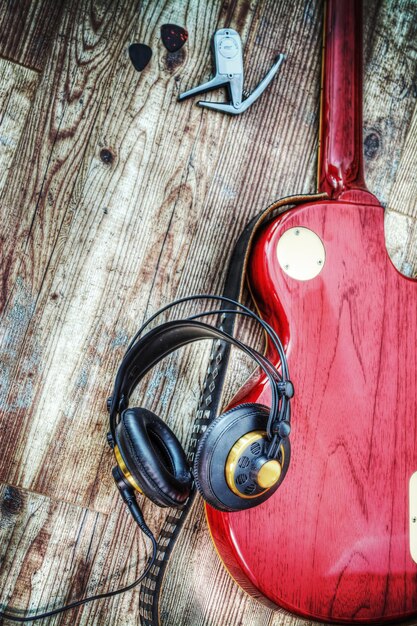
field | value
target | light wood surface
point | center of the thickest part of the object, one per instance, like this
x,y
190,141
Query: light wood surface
x,y
114,200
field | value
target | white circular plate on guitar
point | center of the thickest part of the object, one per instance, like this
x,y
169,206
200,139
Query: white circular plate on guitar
x,y
301,253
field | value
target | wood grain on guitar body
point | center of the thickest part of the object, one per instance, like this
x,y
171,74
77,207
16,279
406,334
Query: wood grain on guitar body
x,y
337,541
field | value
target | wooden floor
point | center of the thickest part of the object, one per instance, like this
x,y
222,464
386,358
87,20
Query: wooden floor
x,y
114,200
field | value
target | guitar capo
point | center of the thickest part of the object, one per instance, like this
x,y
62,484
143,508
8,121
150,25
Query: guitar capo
x,y
228,64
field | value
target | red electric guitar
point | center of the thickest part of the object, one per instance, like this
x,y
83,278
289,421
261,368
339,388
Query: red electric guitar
x,y
338,541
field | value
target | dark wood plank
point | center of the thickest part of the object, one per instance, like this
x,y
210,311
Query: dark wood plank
x,y
27,28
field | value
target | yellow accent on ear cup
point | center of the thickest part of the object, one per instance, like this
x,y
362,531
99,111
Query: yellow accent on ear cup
x,y
235,454
125,471
269,474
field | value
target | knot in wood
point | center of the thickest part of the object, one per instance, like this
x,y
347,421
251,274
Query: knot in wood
x,y
12,502
106,156
371,145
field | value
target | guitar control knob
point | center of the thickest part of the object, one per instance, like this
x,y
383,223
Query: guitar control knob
x,y
269,474
249,472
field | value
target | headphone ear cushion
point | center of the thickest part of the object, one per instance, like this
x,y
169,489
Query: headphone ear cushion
x,y
154,457
213,450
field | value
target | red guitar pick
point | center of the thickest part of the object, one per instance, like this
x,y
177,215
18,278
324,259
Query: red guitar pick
x,y
173,37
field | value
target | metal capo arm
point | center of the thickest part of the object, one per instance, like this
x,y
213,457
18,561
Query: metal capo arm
x,y
228,64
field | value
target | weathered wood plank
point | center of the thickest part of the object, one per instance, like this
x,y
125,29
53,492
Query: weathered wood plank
x,y
401,215
54,553
53,144
17,90
390,91
37,202
401,218
27,29
401,236
403,196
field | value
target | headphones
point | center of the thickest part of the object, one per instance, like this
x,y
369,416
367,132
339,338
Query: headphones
x,y
242,456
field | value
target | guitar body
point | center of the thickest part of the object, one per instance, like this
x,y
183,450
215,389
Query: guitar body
x,y
333,543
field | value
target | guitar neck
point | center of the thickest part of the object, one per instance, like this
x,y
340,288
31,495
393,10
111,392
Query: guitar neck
x,y
340,161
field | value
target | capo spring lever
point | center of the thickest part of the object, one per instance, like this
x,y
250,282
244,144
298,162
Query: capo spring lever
x,y
228,64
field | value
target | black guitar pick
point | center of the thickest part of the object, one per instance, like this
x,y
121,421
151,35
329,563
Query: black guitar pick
x,y
173,37
140,55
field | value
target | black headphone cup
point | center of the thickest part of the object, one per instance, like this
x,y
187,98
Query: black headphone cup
x,y
154,457
213,450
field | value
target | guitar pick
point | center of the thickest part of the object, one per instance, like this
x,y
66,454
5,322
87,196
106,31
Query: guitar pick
x,y
140,55
173,37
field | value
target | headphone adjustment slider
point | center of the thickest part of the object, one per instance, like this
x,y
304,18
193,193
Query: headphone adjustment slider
x,y
120,406
283,429
286,388
110,440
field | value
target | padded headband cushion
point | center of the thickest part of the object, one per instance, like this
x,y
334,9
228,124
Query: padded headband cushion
x,y
159,343
156,345
154,457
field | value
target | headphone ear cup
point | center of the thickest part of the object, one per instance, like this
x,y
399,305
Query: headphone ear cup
x,y
211,459
154,457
